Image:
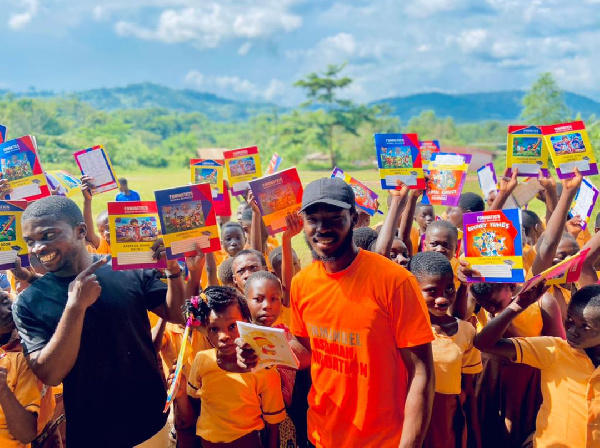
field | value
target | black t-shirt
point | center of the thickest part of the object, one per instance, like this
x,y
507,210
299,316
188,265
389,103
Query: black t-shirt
x,y
114,395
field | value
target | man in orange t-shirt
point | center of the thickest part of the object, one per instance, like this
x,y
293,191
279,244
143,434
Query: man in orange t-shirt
x,y
365,322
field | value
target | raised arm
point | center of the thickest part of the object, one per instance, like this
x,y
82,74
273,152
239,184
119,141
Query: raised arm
x,y
293,222
256,241
211,270
419,398
406,220
490,339
172,309
88,217
550,194
556,225
385,239
505,188
588,271
195,265
56,359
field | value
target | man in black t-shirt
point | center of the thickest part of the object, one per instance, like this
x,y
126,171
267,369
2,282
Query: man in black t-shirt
x,y
86,326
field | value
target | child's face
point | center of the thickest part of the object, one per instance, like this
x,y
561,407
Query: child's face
x,y
497,301
232,240
103,229
455,216
582,326
442,241
243,267
240,211
264,301
247,226
565,249
7,325
222,330
438,291
424,216
399,252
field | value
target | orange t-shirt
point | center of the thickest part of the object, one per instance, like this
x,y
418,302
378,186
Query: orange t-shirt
x,y
103,248
356,320
415,239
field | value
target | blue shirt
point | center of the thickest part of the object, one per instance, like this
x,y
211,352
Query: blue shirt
x,y
132,196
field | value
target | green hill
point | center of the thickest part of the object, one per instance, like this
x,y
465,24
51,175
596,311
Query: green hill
x,y
475,107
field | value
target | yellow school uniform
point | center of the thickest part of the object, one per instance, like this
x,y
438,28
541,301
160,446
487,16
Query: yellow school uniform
x,y
233,404
570,413
453,356
583,237
528,257
529,323
171,345
415,239
455,263
103,248
219,255
24,385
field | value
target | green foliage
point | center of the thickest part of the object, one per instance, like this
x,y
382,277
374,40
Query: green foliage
x,y
544,103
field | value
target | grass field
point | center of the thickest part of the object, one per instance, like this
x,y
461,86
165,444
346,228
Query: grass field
x,y
147,181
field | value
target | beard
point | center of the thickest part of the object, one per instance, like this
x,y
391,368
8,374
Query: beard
x,y
335,256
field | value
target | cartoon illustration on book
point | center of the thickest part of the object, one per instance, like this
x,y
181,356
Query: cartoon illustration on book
x,y
489,244
399,157
8,228
184,216
205,175
277,199
567,144
16,167
445,179
243,167
527,146
136,229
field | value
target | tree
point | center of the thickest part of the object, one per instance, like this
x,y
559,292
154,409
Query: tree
x,y
343,114
544,103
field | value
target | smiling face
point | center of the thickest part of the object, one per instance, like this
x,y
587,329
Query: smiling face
x,y
264,301
232,240
56,244
441,240
221,329
243,267
328,231
438,291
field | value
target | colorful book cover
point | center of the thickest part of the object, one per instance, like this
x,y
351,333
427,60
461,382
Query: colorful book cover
x,y
187,218
94,162
493,245
211,172
570,148
12,244
270,345
273,165
584,202
243,165
526,151
365,198
133,230
21,166
399,158
487,179
567,271
2,133
277,195
447,175
428,148
64,183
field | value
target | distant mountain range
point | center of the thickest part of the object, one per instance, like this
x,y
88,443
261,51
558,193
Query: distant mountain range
x,y
473,107
464,108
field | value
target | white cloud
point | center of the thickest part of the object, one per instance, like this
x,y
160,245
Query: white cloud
x,y
426,8
472,40
209,23
245,48
228,85
20,20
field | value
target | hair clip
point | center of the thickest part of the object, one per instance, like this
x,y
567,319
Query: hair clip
x,y
203,297
193,322
194,301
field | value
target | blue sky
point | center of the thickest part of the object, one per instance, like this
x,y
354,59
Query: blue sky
x,y
256,49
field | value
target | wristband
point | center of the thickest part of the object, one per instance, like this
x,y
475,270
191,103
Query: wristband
x,y
179,274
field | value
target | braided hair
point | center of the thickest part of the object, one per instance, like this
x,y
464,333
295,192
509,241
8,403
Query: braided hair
x,y
217,299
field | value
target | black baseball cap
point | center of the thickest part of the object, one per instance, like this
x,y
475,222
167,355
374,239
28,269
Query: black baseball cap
x,y
328,190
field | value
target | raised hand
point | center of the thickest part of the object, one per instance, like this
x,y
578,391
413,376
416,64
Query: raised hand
x,y
195,263
465,270
86,187
546,182
572,183
508,184
574,226
5,189
293,223
27,274
85,289
252,202
529,297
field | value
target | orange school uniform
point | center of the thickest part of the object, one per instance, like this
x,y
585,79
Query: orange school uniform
x,y
171,345
356,320
569,416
